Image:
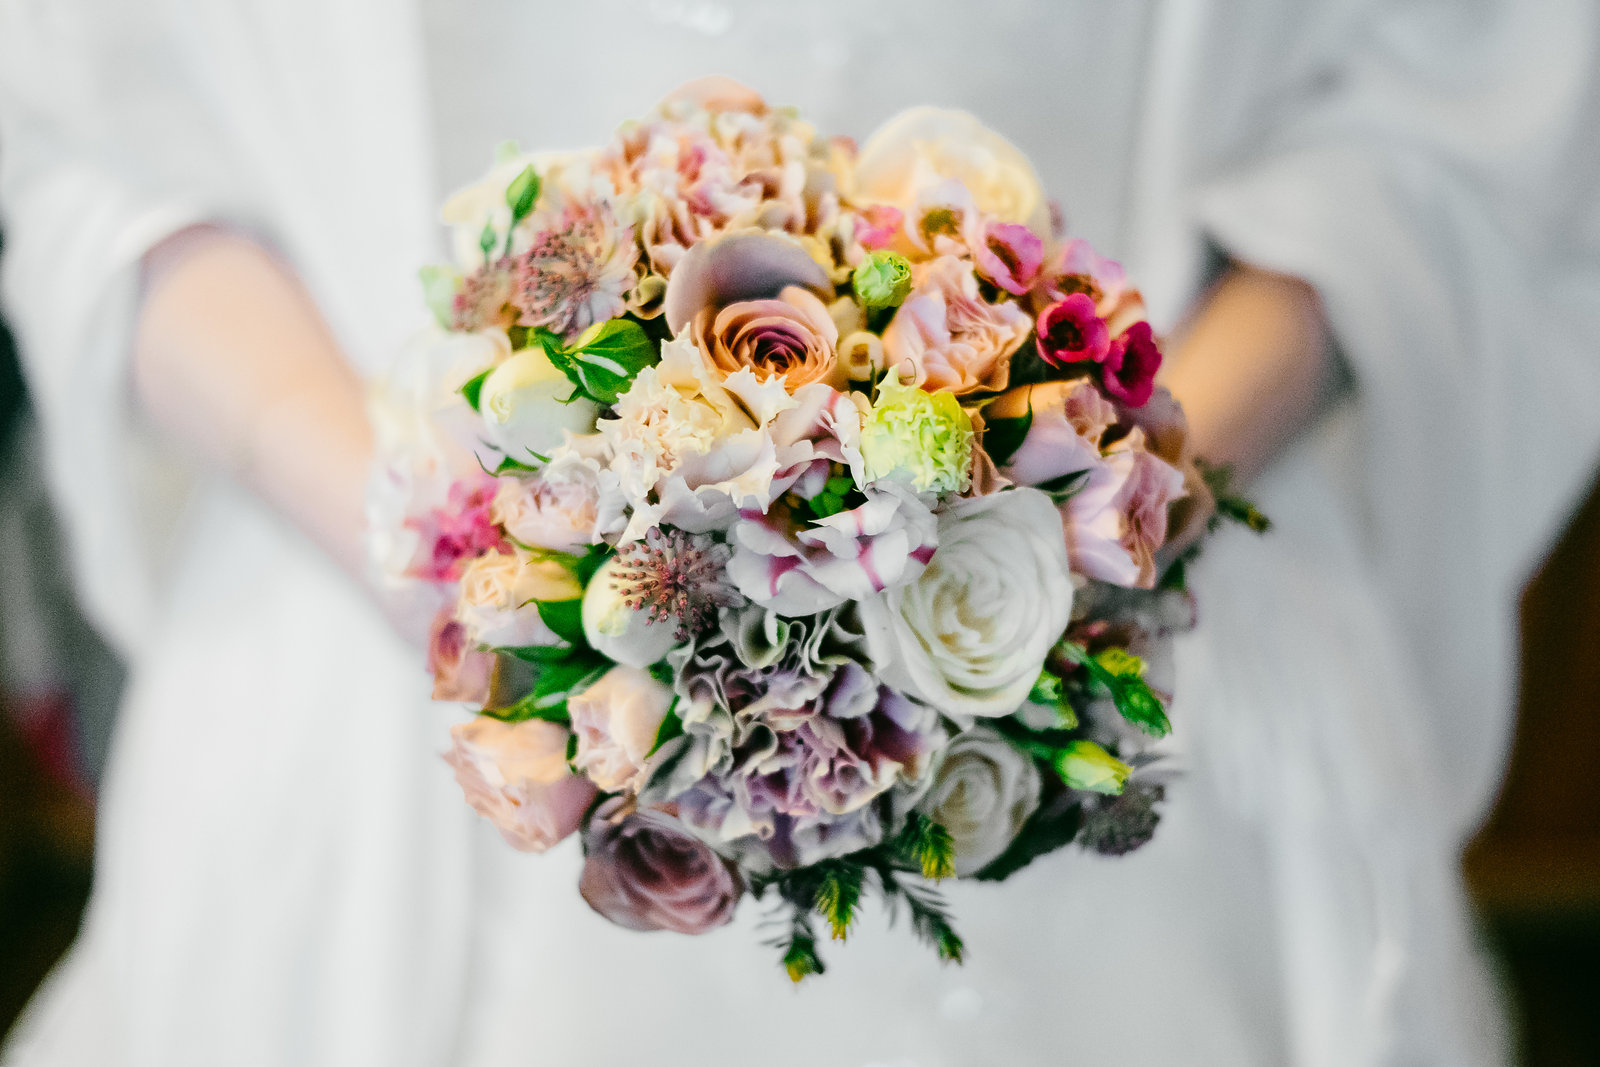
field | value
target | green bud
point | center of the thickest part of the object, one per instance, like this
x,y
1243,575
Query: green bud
x,y
923,438
1085,765
882,280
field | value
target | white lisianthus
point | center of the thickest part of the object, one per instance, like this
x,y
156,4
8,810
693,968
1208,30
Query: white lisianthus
x,y
616,630
496,590
983,790
918,148
969,635
527,406
616,720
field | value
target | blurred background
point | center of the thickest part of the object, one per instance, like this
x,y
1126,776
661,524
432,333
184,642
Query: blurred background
x,y
1534,868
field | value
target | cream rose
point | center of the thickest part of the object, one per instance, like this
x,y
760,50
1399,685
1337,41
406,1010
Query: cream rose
x,y
495,592
527,406
983,790
971,632
516,776
617,720
920,147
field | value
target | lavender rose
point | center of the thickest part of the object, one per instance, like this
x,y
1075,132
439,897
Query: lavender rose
x,y
644,871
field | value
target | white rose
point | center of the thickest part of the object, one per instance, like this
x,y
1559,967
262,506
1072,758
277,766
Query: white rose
x,y
495,592
983,790
526,406
617,720
924,145
620,632
969,635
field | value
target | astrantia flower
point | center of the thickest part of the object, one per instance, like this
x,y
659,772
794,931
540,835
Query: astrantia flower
x,y
578,270
485,297
1072,332
677,576
923,438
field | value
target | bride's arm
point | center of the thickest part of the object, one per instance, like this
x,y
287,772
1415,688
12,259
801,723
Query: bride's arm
x,y
1251,366
232,358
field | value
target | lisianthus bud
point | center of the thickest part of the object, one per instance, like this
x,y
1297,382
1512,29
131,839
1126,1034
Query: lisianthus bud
x,y
1085,765
882,280
525,405
616,628
923,438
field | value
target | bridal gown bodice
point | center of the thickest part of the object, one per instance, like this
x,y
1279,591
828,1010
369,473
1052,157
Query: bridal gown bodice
x,y
287,873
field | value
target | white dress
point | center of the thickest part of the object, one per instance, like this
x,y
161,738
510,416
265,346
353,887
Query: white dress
x,y
287,873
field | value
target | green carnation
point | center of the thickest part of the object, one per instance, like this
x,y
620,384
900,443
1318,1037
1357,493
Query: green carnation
x,y
882,280
924,438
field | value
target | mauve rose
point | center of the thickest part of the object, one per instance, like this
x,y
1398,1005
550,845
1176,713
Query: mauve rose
x,y
460,672
1069,419
617,720
644,871
946,336
791,335
516,776
747,265
1116,523
1166,433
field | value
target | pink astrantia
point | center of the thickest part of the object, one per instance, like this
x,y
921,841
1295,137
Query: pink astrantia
x,y
577,272
1131,365
1009,255
462,530
1072,332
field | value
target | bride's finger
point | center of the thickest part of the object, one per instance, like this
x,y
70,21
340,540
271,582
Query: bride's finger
x,y
718,92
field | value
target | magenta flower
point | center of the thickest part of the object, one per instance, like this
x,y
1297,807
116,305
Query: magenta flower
x,y
1131,365
1072,332
1009,255
877,225
454,535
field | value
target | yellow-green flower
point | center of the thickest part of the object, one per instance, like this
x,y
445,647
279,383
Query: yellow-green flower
x,y
920,437
882,280
1085,765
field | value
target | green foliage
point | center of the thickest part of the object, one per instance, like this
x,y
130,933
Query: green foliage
x,y
440,283
838,894
486,240
927,846
472,389
554,682
671,727
1122,675
565,618
799,946
605,358
1050,692
1231,506
929,919
1066,487
1002,437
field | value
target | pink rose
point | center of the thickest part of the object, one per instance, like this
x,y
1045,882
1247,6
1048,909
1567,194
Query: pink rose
x,y
516,776
1069,419
644,871
946,336
1118,520
460,672
617,720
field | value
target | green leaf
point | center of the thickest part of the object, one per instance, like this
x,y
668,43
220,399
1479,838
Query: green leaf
x,y
1002,437
838,893
1122,675
1231,506
1065,487
536,653
557,680
800,957
928,845
604,360
440,283
929,919
522,193
565,619
472,389
671,727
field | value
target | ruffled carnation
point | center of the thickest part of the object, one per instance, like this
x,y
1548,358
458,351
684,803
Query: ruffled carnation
x,y
921,438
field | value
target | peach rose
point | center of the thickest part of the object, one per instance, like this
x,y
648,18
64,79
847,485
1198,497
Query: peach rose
x,y
791,336
515,775
946,336
617,720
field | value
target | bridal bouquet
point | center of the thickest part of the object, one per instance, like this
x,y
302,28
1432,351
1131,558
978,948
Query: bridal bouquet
x,y
821,526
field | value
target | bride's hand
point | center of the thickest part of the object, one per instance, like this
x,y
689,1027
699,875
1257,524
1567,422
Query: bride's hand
x,y
718,92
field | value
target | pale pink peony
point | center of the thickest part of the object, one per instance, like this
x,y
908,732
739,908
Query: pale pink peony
x,y
1118,520
516,776
946,336
616,720
644,871
460,672
449,538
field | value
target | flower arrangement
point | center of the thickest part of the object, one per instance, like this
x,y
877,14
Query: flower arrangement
x,y
830,526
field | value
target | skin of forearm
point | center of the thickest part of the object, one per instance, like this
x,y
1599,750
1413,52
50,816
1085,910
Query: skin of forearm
x,y
1252,365
234,362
